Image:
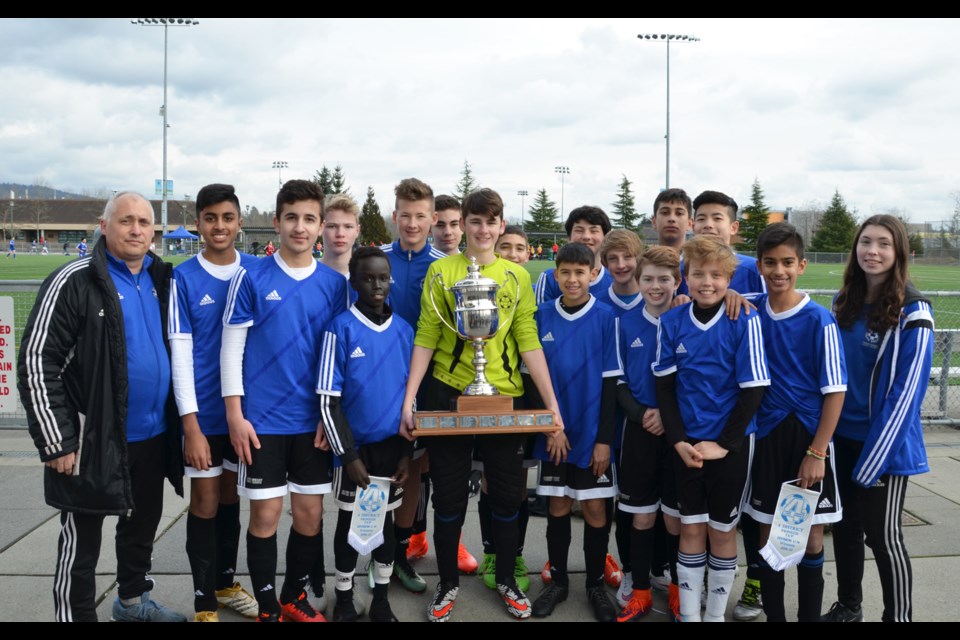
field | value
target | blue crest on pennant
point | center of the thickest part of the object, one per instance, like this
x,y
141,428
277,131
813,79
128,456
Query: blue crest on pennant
x,y
794,509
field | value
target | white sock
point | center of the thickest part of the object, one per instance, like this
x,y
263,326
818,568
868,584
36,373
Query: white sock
x,y
719,585
382,572
690,570
344,580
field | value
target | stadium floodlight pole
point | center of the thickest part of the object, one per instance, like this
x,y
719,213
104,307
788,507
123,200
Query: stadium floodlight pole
x,y
562,171
523,194
165,23
280,165
668,37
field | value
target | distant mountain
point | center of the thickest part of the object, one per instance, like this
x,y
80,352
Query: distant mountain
x,y
38,192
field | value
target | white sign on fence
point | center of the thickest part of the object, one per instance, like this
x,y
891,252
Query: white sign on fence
x,y
8,358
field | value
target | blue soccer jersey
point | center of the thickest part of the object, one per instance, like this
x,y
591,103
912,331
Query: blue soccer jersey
x,y
198,297
638,351
618,304
366,365
407,272
713,361
581,350
746,278
285,310
547,288
806,362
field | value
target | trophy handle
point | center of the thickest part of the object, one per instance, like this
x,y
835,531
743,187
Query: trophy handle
x,y
434,303
516,301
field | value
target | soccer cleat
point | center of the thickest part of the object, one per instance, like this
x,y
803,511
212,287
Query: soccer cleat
x,y
300,610
418,546
661,582
466,563
206,616
146,610
611,572
488,570
545,574
750,606
673,601
520,574
518,604
239,599
603,609
441,606
345,611
625,592
548,600
639,605
263,616
408,577
839,612
380,611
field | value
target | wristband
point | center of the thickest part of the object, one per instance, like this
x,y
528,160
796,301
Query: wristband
x,y
813,453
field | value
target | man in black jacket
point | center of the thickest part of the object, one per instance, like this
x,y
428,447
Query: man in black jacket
x,y
94,378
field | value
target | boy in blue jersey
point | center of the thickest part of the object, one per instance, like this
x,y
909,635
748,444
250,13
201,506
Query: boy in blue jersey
x,y
366,347
717,365
584,375
271,344
588,226
645,471
798,415
410,256
715,214
198,296
619,253
82,248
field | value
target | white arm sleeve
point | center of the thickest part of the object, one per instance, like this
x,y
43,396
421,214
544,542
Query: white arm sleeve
x,y
181,358
231,360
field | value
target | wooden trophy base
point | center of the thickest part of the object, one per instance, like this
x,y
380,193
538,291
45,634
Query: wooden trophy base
x,y
483,415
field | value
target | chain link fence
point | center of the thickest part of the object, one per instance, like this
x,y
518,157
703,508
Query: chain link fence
x,y
941,405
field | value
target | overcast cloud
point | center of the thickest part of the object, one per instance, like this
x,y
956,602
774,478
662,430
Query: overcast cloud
x,y
806,106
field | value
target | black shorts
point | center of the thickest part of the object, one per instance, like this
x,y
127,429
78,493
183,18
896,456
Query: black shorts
x,y
222,458
285,463
715,493
569,480
451,460
643,470
777,460
380,459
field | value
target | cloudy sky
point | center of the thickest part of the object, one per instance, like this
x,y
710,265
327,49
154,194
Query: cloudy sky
x,y
806,106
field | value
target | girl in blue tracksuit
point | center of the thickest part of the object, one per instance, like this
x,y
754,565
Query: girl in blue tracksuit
x,y
887,331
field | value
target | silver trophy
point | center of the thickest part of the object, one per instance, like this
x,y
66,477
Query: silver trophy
x,y
477,317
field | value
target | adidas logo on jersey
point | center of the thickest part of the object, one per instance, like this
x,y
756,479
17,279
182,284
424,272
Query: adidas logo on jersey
x,y
681,349
358,353
603,479
120,294
825,504
273,295
206,300
547,338
734,512
636,344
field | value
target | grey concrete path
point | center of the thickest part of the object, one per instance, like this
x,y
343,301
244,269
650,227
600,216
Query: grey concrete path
x,y
29,529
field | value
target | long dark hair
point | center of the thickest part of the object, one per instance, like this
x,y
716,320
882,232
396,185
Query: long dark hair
x,y
885,312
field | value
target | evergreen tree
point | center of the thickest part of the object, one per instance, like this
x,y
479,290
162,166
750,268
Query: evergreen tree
x,y
837,228
324,180
753,219
543,214
624,209
372,227
467,184
337,182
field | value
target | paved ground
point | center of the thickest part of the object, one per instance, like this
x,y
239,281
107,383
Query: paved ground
x,y
29,529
